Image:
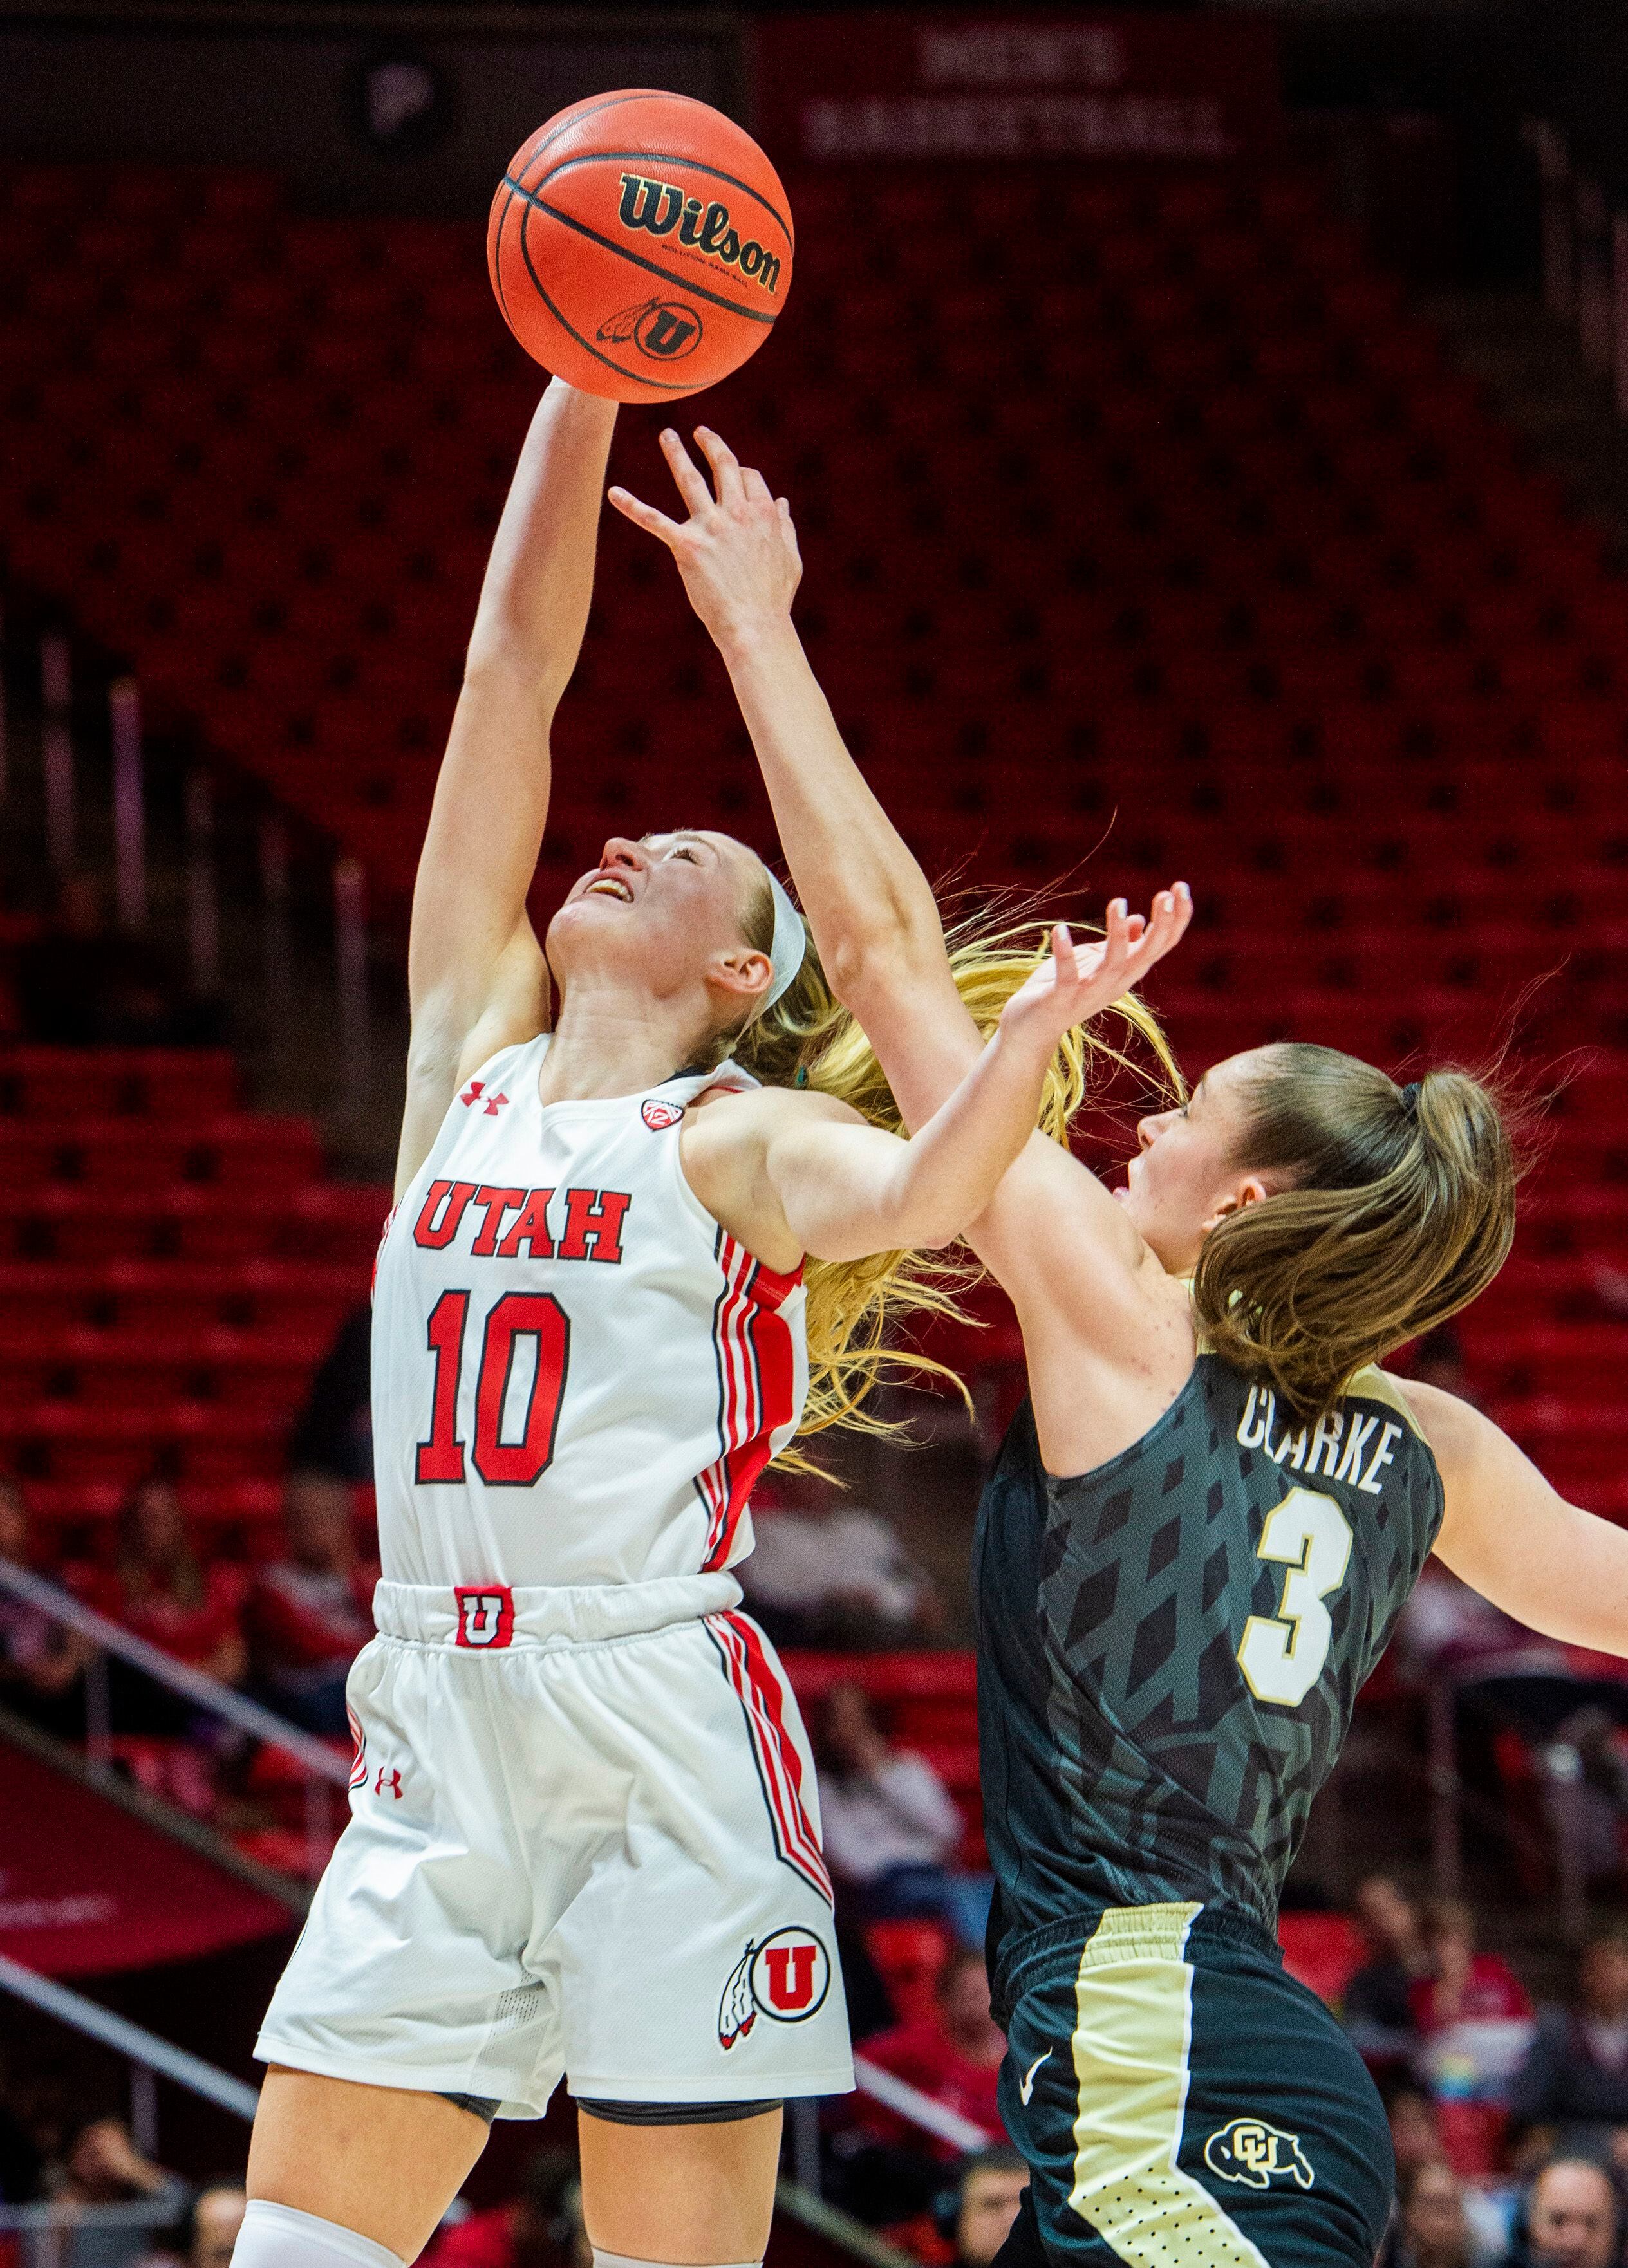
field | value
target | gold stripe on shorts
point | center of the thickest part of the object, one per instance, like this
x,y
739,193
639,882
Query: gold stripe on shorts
x,y
1134,1994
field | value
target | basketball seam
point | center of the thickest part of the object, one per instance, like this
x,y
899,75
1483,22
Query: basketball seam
x,y
610,102
503,297
675,283
665,157
667,386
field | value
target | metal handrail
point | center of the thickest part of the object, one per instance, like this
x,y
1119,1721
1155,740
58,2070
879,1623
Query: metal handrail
x,y
128,2039
195,1685
897,2094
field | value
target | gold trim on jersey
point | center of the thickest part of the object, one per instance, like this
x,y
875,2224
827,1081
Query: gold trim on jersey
x,y
1374,1384
1134,1995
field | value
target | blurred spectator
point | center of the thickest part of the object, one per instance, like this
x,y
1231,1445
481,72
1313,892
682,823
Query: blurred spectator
x,y
825,1572
1378,2014
216,2217
1431,2228
335,1430
311,1613
41,1663
889,1824
1575,2077
1570,2219
543,2228
157,1588
1475,2026
983,2204
80,983
954,2055
103,2167
1462,1986
1415,2129
970,2217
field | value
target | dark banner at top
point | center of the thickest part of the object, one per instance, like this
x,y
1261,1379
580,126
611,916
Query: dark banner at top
x,y
1117,87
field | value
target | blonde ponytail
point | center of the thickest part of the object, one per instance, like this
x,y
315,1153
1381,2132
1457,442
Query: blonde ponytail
x,y
809,1039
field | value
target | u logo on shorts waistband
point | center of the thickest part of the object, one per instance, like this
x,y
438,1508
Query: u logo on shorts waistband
x,y
485,1614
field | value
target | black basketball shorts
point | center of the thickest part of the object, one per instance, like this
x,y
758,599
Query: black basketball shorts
x,y
1183,2104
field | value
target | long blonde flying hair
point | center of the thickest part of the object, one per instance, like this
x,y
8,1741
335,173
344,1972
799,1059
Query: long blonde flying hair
x,y
856,1307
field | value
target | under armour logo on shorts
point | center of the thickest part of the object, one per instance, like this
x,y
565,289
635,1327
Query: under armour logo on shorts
x,y
485,1614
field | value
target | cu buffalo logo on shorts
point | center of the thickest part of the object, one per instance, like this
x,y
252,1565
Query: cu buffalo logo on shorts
x,y
1251,2152
660,1115
666,330
784,1976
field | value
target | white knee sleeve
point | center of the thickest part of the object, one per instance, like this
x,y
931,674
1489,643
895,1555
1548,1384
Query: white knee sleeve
x,y
277,2236
621,2260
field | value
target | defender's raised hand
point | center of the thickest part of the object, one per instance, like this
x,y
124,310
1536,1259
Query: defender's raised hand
x,y
1078,981
737,550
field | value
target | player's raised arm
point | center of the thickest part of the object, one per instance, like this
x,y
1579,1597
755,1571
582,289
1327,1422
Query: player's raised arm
x,y
1513,1538
872,912
873,915
476,972
798,1173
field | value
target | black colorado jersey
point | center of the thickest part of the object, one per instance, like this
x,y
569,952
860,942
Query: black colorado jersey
x,y
1169,1647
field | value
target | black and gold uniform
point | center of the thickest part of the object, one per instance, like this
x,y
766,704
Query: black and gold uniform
x,y
1169,1648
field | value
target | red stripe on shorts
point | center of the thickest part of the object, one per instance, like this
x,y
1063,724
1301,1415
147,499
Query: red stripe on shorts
x,y
779,1765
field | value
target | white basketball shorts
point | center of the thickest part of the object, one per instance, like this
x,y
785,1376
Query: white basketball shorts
x,y
584,1841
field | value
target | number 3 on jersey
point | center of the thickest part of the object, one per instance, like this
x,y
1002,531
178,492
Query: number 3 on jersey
x,y
501,1464
1282,1655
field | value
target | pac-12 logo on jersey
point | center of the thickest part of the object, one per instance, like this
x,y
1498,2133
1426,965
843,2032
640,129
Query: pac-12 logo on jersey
x,y
485,1614
660,1115
785,1975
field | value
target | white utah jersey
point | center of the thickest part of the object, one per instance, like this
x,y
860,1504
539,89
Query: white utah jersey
x,y
578,1373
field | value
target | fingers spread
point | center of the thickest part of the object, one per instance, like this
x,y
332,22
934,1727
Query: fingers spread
x,y
726,465
644,515
755,486
686,472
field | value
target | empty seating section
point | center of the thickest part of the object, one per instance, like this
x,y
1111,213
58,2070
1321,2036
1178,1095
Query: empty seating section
x,y
172,1271
1144,527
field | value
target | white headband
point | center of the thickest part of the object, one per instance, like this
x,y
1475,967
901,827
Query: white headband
x,y
791,945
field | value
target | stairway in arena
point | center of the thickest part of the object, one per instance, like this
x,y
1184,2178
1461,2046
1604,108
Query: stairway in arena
x,y
1146,528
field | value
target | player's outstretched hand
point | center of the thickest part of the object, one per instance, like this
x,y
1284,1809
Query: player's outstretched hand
x,y
737,551
1078,981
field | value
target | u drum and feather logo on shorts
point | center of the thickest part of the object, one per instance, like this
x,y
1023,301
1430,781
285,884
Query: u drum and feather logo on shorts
x,y
784,1976
1250,2151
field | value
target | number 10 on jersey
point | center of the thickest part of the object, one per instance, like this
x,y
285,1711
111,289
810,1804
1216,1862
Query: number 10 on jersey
x,y
517,1317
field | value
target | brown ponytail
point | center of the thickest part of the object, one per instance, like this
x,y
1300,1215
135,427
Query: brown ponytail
x,y
1399,1208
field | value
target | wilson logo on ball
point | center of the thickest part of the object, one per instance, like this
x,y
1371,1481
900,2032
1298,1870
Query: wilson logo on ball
x,y
662,206
666,329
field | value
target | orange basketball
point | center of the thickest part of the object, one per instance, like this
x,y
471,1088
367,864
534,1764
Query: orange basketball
x,y
640,246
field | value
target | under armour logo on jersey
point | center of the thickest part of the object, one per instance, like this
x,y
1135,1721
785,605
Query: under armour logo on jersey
x,y
476,1092
660,1115
485,1614
388,1783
